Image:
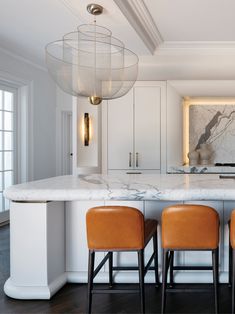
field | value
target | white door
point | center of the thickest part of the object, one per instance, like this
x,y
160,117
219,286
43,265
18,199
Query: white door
x,y
66,145
120,132
147,104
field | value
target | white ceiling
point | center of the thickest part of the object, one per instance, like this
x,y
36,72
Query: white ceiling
x,y
145,26
194,20
26,26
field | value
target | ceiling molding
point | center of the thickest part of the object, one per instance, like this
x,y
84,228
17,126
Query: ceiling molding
x,y
23,59
196,47
141,20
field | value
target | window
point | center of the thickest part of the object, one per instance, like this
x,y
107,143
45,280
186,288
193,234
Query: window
x,y
7,142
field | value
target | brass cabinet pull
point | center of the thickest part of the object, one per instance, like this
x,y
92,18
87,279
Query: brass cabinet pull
x,y
137,160
130,163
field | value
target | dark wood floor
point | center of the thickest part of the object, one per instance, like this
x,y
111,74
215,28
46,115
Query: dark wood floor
x,y
72,298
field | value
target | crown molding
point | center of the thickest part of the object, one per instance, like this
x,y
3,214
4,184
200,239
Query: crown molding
x,y
22,59
141,20
196,47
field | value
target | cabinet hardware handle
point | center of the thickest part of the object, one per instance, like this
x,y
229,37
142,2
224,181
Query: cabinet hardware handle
x,y
130,164
137,160
130,172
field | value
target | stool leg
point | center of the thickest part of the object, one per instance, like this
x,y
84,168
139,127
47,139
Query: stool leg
x,y
110,269
91,263
217,268
172,269
155,247
141,279
233,283
230,254
164,279
215,276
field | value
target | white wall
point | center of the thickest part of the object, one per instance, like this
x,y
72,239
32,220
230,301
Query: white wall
x,y
64,102
43,105
174,127
87,158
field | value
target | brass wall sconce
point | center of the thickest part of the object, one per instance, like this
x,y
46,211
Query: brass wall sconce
x,y
86,129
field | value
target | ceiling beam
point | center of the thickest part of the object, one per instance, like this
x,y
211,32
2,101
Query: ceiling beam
x,y
141,20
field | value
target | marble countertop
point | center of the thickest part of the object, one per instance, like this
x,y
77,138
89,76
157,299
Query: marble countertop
x,y
201,169
125,187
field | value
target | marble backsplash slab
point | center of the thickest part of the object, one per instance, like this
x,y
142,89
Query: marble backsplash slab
x,y
215,125
201,169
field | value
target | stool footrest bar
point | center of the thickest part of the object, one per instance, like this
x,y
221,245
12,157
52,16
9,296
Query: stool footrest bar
x,y
192,268
110,291
125,268
188,290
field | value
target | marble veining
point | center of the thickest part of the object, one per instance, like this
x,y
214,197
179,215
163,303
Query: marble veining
x,y
215,125
201,169
125,187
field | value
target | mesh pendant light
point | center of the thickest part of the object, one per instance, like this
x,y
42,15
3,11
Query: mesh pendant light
x,y
92,63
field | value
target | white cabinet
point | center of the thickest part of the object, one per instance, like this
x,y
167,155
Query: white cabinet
x,y
120,132
147,127
135,129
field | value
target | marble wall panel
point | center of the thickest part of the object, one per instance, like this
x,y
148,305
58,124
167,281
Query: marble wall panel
x,y
215,125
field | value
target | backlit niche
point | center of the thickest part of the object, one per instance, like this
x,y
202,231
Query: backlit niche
x,y
211,121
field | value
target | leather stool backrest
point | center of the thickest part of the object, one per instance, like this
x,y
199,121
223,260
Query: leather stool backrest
x,y
232,229
115,228
187,226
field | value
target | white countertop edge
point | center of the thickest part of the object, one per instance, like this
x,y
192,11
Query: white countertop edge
x,y
165,187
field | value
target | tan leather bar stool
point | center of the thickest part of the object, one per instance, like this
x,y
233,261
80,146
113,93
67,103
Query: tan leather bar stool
x,y
232,258
189,228
114,229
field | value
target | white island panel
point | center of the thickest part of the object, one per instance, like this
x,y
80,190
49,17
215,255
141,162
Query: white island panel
x,y
37,241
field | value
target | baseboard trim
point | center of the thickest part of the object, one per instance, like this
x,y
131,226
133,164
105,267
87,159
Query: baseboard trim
x,y
34,292
133,277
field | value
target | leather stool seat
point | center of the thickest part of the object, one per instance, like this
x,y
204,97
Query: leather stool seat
x,y
119,228
189,227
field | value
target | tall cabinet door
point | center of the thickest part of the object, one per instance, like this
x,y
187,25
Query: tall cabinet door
x,y
120,132
147,104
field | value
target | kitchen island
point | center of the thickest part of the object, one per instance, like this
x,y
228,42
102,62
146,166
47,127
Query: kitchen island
x,y
48,232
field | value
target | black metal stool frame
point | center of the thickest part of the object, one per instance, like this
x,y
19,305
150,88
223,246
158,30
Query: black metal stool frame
x,y
168,263
141,268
